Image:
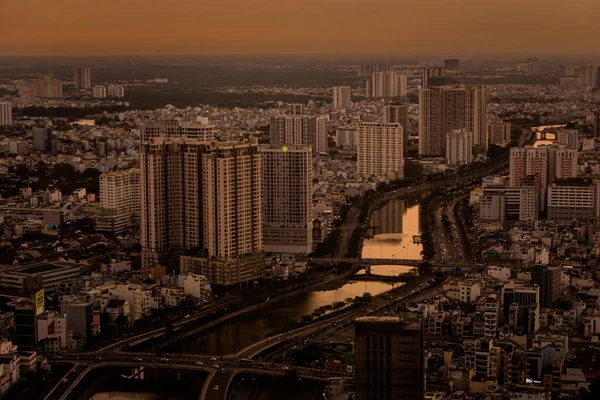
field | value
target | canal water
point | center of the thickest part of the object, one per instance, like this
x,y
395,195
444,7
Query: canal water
x,y
399,223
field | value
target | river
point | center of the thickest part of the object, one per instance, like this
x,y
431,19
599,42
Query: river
x,y
397,223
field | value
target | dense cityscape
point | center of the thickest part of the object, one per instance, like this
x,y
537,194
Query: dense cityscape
x,y
280,227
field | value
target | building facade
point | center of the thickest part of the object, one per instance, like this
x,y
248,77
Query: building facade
x,y
300,129
119,200
82,77
381,150
459,147
5,113
287,198
341,97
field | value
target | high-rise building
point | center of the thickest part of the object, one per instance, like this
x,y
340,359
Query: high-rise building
x,y
596,123
99,92
386,85
381,149
287,198
369,69
568,137
549,278
428,73
563,162
82,77
398,114
451,63
5,113
443,109
341,97
116,91
389,358
590,75
498,133
161,128
119,200
47,87
195,130
459,147
42,139
295,129
346,138
205,196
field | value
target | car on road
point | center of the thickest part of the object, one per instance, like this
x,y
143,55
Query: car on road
x,y
285,368
216,366
137,359
200,363
212,359
216,387
164,359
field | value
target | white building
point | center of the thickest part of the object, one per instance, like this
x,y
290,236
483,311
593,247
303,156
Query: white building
x,y
498,133
5,113
492,207
196,286
341,97
53,325
138,298
500,273
119,200
99,92
381,150
459,147
469,291
572,198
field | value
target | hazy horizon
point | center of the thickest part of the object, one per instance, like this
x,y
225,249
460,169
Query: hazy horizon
x,y
460,28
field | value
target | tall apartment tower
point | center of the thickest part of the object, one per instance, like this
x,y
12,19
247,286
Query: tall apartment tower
x,y
549,280
287,198
47,87
297,109
115,91
386,85
381,149
300,129
498,133
119,200
398,114
459,147
443,109
42,139
389,358
428,73
590,76
5,113
369,69
205,196
596,123
82,77
341,97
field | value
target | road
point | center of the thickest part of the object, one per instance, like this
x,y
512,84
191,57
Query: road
x,y
351,222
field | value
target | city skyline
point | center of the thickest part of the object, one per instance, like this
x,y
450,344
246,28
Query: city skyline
x,y
455,28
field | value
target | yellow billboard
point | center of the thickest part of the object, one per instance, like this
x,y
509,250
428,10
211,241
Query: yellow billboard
x,y
39,302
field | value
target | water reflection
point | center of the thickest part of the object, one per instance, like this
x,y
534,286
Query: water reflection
x,y
395,225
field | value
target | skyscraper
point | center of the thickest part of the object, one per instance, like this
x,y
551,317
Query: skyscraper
x,y
119,200
381,149
369,69
296,129
42,139
5,113
341,97
389,358
590,75
82,77
287,198
428,73
386,85
47,87
206,196
459,147
498,133
398,114
443,109
596,122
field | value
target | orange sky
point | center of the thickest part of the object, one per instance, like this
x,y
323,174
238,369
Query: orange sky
x,y
444,27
